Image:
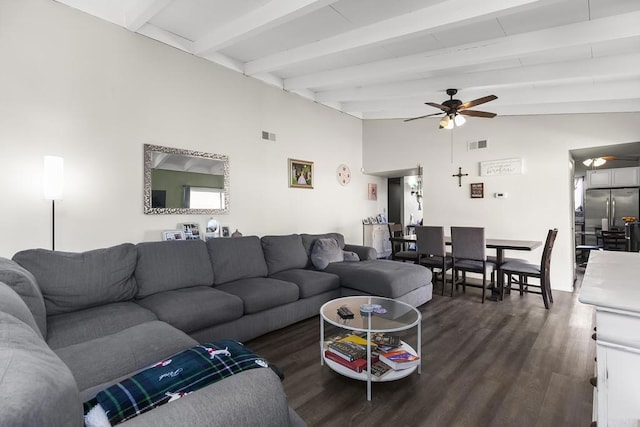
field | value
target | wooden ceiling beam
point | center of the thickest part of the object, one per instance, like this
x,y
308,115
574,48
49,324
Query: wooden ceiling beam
x,y
141,11
272,14
429,18
579,34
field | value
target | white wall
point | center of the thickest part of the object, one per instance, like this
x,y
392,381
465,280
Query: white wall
x,y
538,200
94,93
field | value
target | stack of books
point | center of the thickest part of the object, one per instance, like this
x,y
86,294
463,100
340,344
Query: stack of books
x,y
348,354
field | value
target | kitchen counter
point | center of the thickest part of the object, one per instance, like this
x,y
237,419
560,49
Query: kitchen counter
x,y
612,280
612,284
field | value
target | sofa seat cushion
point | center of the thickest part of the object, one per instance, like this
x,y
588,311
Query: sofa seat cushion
x,y
36,387
165,266
80,326
107,358
284,253
25,285
236,258
72,281
192,309
260,294
383,278
310,282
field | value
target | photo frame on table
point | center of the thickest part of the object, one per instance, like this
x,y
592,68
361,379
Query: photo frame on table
x,y
373,220
477,190
300,173
365,221
173,235
372,192
225,231
190,230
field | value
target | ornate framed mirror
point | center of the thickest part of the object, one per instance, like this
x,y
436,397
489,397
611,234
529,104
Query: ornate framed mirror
x,y
178,181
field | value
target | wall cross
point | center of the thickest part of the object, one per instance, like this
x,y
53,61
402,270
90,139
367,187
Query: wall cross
x,y
460,175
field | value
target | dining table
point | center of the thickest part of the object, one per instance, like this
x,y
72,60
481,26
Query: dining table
x,y
500,245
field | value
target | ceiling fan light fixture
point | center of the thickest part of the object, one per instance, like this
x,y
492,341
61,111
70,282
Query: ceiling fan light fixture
x,y
587,162
446,123
459,120
599,161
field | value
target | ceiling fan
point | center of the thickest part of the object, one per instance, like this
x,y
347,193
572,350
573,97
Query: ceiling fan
x,y
453,109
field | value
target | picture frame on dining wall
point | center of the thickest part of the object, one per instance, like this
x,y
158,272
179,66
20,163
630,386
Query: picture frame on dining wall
x,y
477,190
300,173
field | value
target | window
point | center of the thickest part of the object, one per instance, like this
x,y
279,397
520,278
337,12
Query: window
x,y
203,198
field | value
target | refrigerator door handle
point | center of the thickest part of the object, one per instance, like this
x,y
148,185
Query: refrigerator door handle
x,y
607,212
613,212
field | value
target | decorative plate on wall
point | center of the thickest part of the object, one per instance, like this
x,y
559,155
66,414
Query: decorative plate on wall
x,y
343,174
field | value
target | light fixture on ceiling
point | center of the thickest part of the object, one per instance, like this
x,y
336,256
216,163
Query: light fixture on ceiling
x,y
450,120
595,162
53,185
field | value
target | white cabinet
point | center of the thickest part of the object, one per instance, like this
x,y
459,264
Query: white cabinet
x,y
617,177
611,284
625,177
377,236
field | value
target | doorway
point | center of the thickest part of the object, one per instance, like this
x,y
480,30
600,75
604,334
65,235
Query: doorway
x,y
395,200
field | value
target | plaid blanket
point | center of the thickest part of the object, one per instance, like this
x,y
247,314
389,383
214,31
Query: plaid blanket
x,y
173,378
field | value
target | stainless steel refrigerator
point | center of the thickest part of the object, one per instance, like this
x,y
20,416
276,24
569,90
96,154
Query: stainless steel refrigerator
x,y
611,204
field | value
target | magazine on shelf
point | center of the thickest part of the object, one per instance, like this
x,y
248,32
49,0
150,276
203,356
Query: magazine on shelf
x,y
400,359
379,368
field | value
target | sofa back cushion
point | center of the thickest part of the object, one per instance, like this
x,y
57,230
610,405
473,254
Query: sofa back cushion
x,y
11,303
284,253
74,281
25,285
36,387
236,258
165,266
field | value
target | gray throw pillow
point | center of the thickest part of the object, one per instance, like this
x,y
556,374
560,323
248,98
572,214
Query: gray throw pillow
x,y
25,285
324,252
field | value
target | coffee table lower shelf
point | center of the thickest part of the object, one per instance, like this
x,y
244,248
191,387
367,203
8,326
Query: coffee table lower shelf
x,y
392,375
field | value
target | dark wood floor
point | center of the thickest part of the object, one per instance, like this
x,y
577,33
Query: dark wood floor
x,y
509,363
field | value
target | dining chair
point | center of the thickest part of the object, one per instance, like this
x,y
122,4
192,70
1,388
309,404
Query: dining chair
x,y
468,245
398,252
519,272
431,249
614,240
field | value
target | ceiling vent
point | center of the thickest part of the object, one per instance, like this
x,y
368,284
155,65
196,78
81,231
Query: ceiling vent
x,y
475,145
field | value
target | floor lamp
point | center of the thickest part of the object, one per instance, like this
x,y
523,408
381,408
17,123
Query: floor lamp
x,y
53,185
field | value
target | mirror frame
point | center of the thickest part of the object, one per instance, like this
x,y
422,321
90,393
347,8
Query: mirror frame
x,y
149,149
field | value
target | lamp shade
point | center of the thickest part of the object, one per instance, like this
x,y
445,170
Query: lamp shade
x,y
53,177
459,120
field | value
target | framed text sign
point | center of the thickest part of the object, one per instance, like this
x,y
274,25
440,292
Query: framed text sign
x,y
477,190
501,167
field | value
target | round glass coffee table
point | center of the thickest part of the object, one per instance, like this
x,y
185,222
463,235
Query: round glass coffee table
x,y
395,316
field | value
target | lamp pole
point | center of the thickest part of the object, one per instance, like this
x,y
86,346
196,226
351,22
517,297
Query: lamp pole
x,y
53,179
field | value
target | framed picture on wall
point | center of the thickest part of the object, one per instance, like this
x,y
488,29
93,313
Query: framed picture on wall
x,y
373,191
477,190
173,235
300,173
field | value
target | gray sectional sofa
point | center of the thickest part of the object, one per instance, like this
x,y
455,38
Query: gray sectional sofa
x,y
72,324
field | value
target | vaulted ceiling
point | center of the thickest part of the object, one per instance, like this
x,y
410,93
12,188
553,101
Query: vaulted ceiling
x,y
386,58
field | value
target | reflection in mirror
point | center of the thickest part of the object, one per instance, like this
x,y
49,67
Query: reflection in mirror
x,y
180,181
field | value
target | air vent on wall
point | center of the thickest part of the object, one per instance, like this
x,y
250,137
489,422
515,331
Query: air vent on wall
x,y
268,136
475,145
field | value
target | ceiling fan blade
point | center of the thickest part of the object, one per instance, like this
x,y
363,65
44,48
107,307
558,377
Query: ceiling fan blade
x,y
477,102
422,117
440,106
476,113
